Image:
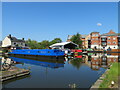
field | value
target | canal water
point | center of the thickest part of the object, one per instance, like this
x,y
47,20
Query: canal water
x,y
81,72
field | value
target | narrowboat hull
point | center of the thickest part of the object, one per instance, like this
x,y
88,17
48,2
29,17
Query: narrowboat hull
x,y
38,53
41,57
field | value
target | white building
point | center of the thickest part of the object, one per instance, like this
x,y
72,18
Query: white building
x,y
64,45
13,42
0,43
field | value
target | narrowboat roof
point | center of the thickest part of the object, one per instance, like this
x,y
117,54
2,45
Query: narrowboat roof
x,y
36,49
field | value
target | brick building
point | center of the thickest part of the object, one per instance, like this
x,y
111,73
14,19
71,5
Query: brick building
x,y
95,40
110,40
84,41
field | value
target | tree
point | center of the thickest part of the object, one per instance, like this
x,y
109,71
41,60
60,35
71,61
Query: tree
x,y
56,40
44,44
76,39
76,62
32,44
41,45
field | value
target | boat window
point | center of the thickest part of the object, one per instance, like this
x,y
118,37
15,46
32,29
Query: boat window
x,y
56,51
38,51
48,51
43,51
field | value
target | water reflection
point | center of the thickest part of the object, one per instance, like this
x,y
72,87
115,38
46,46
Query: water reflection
x,y
76,62
39,63
82,71
7,63
95,60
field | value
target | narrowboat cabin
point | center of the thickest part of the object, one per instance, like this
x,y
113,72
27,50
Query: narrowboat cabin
x,y
42,53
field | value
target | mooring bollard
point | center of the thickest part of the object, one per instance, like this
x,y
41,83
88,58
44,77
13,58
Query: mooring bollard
x,y
112,83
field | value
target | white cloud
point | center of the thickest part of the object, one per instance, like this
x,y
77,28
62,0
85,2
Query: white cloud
x,y
99,24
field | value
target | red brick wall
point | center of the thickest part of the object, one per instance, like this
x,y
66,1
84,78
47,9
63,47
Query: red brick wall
x,y
112,40
95,40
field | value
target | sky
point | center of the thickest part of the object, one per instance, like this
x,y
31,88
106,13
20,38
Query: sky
x,y
60,0
48,20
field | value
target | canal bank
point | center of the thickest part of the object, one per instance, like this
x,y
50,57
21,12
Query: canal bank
x,y
111,74
99,81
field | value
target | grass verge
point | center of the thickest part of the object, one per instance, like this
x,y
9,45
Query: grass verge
x,y
111,75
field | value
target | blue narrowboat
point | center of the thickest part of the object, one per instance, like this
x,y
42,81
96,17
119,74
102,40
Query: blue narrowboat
x,y
50,53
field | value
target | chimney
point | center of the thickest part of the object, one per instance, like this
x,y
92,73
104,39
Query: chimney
x,y
9,35
22,38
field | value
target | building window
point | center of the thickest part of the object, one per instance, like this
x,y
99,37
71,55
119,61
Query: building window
x,y
14,43
108,38
93,35
25,44
103,43
114,38
103,39
114,60
96,35
119,39
114,42
96,62
109,43
104,58
95,43
95,58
